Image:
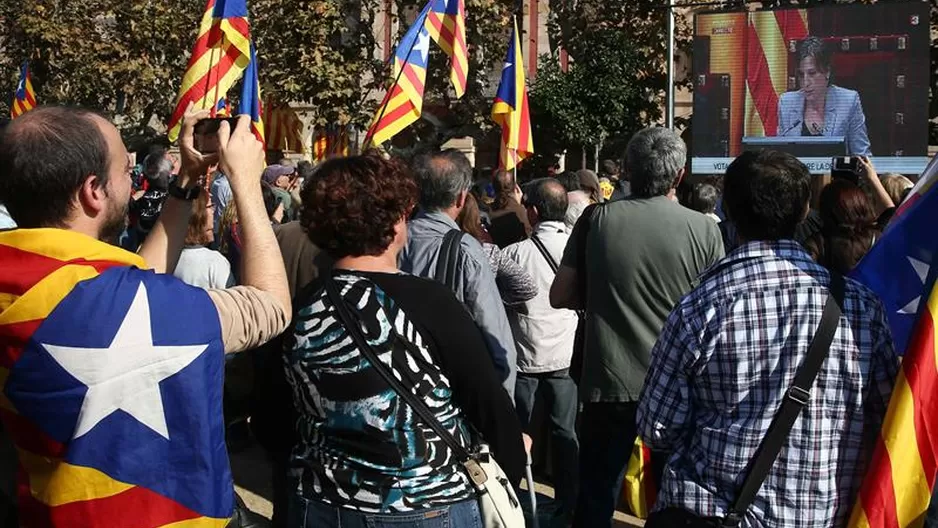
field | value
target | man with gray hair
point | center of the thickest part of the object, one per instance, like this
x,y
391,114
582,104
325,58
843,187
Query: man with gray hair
x,y
645,253
437,250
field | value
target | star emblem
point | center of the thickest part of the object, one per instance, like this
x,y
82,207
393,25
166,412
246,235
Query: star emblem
x,y
507,65
921,269
423,45
126,375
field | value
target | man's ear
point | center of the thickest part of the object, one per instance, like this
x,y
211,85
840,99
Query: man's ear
x,y
92,195
680,177
461,199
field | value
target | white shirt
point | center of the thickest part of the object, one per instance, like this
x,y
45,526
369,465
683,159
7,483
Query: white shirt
x,y
544,334
204,268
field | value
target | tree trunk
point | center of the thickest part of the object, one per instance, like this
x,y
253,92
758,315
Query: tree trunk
x,y
583,157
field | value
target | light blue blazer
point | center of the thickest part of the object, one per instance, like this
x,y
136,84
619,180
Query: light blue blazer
x,y
844,117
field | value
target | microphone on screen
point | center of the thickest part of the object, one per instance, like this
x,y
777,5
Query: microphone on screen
x,y
789,129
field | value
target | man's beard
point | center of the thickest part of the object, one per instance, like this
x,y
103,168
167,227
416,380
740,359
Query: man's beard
x,y
115,222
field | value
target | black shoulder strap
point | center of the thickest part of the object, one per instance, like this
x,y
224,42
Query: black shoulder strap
x,y
795,400
547,256
353,327
447,262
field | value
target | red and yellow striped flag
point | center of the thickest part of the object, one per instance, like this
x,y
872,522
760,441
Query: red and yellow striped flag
x,y
898,484
511,109
24,99
638,486
221,53
447,24
768,37
283,128
330,141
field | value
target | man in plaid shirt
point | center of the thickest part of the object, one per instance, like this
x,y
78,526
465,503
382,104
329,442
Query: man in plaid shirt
x,y
729,352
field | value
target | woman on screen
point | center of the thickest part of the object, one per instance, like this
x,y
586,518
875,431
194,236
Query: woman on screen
x,y
820,108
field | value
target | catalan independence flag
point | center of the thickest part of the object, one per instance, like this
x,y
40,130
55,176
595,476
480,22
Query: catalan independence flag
x,y
24,99
898,484
221,53
113,401
223,108
511,108
768,36
901,268
403,103
250,103
447,25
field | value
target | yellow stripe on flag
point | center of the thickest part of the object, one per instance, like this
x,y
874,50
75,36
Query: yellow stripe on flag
x,y
911,487
754,126
200,522
41,299
55,482
773,48
66,245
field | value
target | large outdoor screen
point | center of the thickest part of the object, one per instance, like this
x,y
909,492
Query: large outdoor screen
x,y
817,82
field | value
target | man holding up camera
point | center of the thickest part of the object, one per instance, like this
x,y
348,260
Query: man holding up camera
x,y
112,368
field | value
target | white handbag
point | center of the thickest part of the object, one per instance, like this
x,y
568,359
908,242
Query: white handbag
x,y
498,502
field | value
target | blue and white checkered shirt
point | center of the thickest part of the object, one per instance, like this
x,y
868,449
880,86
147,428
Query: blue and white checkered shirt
x,y
729,352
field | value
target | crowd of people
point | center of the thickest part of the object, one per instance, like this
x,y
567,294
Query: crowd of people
x,y
627,306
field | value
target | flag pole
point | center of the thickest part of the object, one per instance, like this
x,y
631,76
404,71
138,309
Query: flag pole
x,y
208,81
387,97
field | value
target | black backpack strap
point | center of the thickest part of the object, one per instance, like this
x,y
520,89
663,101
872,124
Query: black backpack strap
x,y
353,327
547,256
795,400
447,262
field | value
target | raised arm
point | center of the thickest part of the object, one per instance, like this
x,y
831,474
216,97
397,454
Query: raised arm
x,y
165,241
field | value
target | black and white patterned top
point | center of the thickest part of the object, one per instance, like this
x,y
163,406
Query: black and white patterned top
x,y
360,445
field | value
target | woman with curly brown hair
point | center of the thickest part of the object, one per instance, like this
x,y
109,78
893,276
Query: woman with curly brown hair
x,y
363,457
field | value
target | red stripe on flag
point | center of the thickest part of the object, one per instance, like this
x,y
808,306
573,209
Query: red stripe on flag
x,y
23,269
877,493
135,507
791,24
13,339
31,98
411,73
27,435
524,128
759,80
392,115
204,83
922,375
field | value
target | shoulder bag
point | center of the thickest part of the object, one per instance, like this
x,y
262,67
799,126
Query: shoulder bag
x,y
447,262
498,502
797,397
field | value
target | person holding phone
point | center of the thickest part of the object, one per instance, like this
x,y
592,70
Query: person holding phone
x,y
820,108
118,354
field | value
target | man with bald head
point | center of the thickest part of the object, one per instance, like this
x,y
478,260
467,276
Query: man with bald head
x,y
111,367
545,335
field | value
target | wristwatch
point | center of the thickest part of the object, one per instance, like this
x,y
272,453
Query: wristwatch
x,y
188,194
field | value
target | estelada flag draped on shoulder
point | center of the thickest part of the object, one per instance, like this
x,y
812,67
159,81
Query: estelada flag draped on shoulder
x,y
112,387
447,24
511,108
403,103
221,53
24,99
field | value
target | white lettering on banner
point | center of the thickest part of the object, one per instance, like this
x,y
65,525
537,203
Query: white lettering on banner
x,y
913,165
